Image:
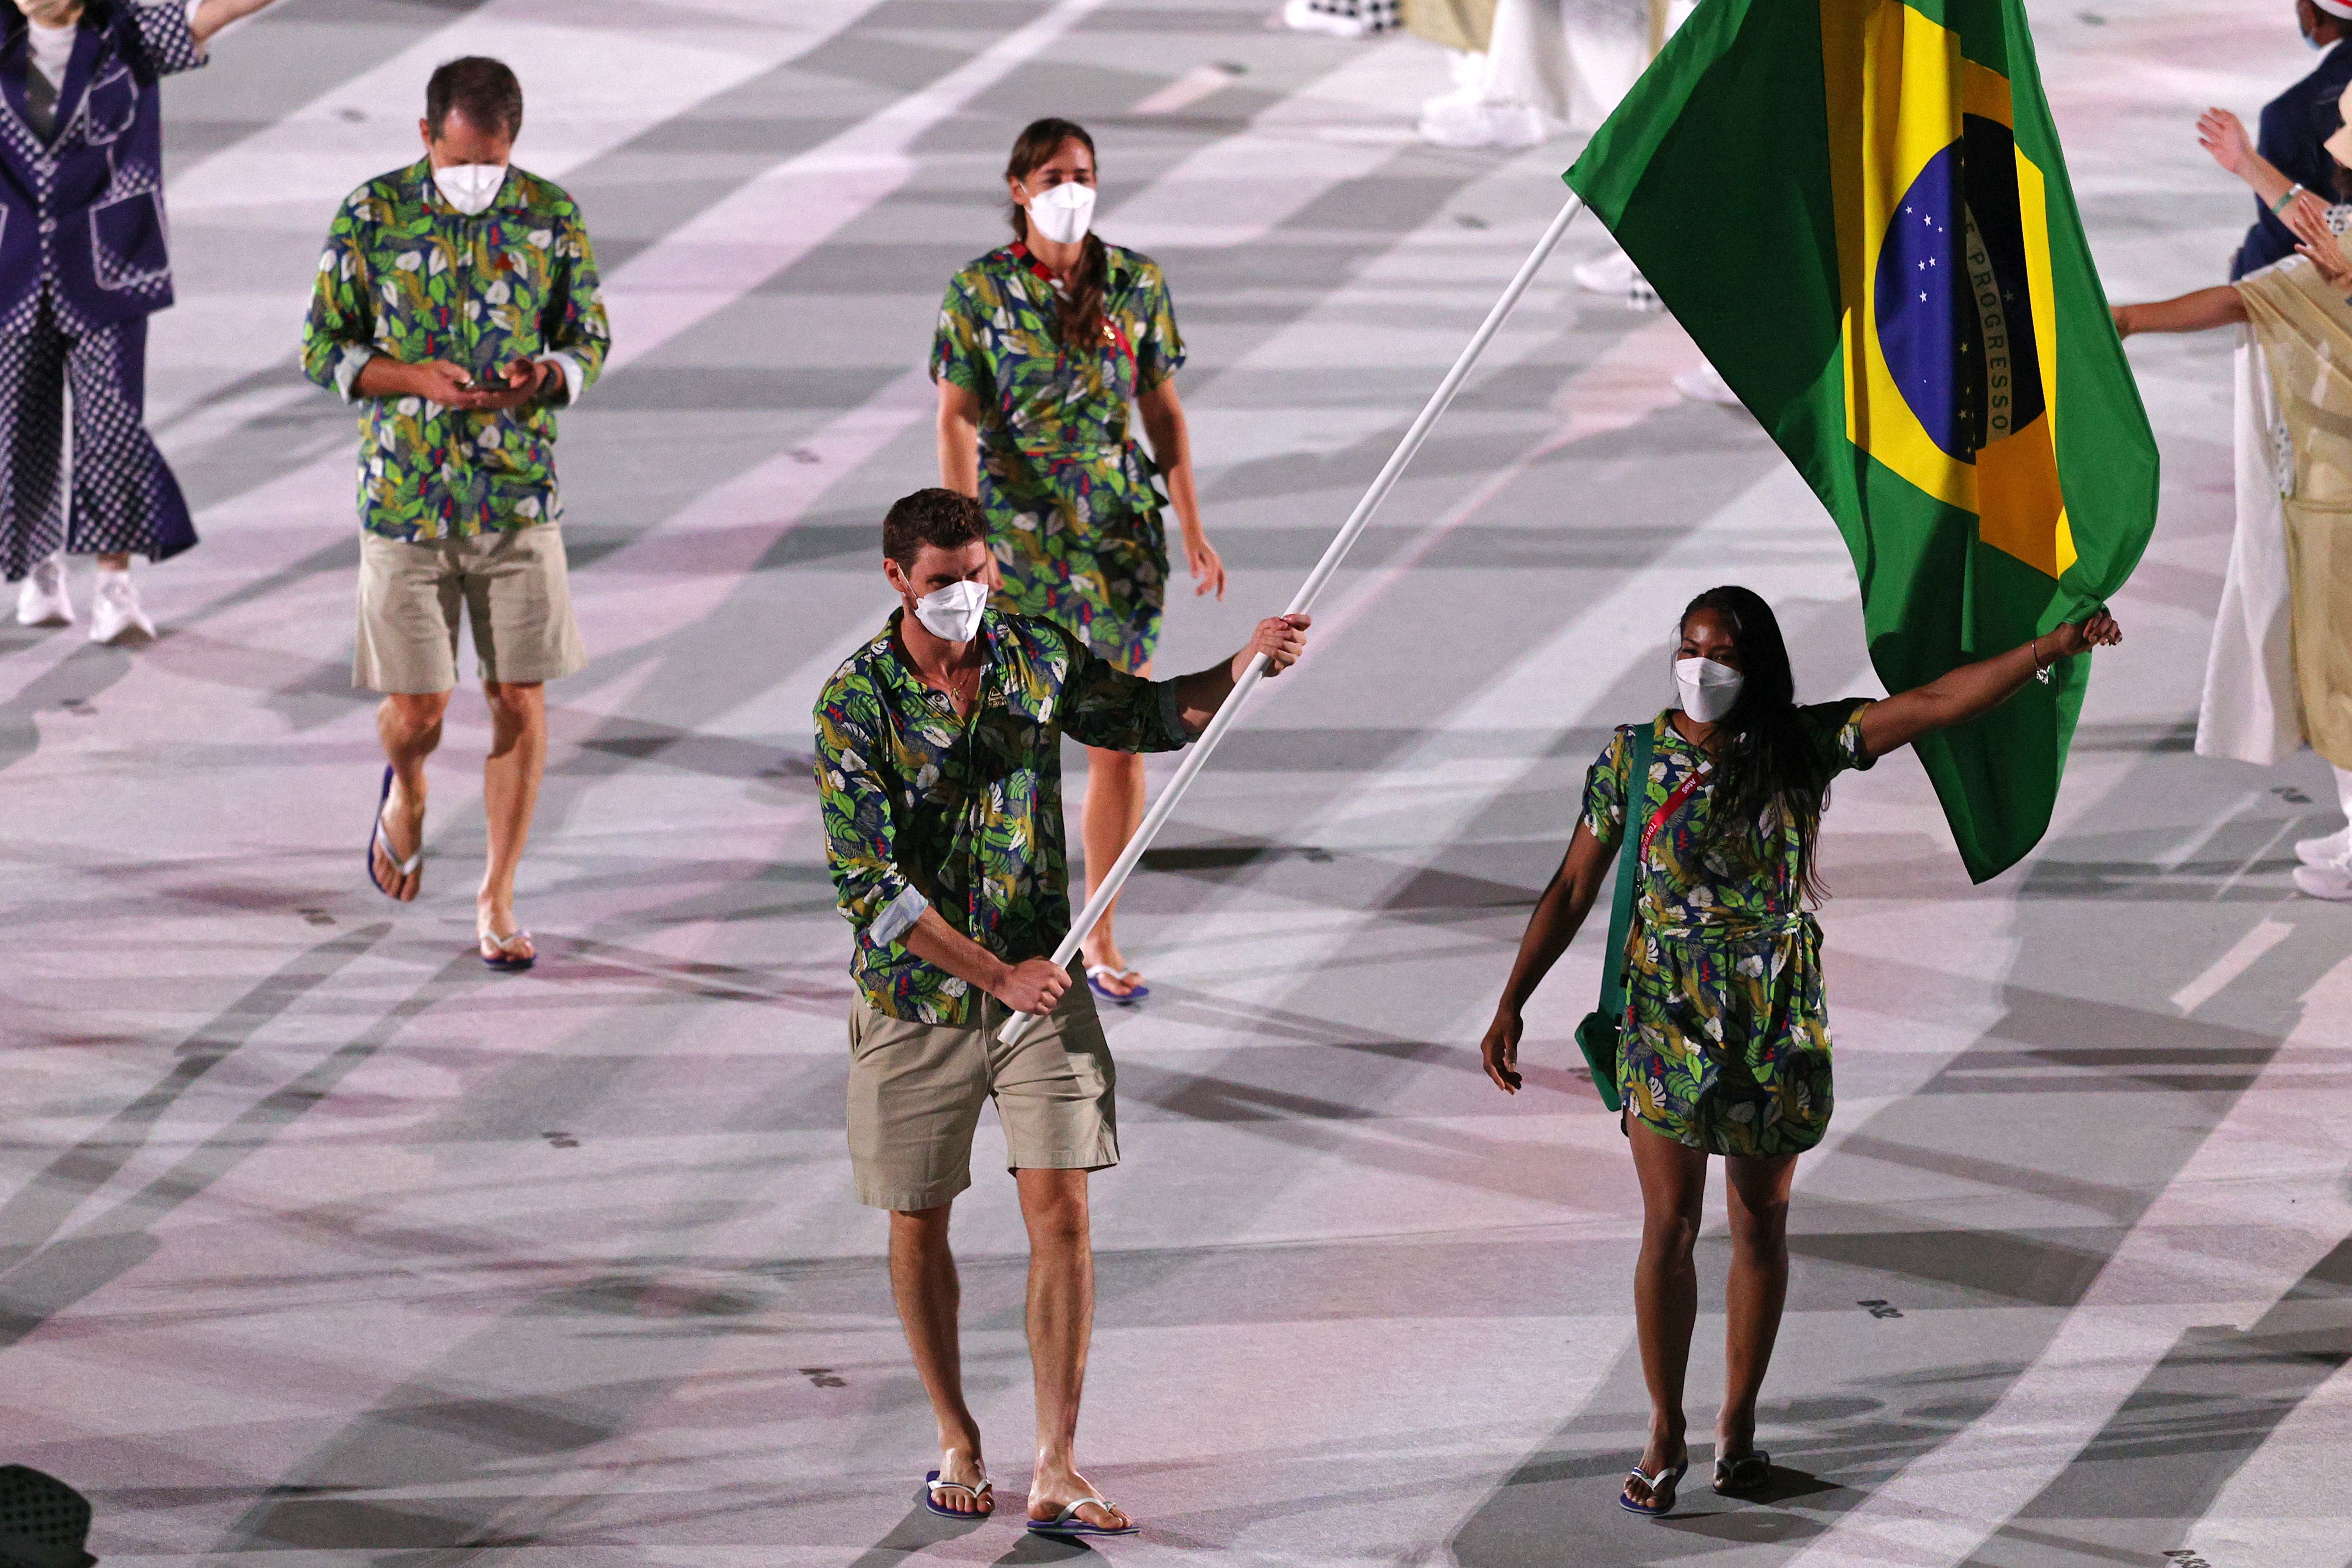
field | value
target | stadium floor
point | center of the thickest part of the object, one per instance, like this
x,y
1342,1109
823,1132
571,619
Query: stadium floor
x,y
317,1243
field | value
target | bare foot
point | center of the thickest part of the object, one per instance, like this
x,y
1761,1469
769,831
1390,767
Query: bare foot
x,y
961,1475
399,836
1051,1491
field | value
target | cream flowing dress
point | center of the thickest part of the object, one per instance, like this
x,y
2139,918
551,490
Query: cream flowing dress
x,y
2280,671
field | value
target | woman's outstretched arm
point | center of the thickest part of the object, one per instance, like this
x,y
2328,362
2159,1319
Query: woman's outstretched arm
x,y
1559,914
1978,688
2222,306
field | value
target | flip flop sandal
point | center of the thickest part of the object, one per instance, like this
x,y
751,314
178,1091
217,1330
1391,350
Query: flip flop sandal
x,y
1095,972
933,1487
1662,1490
507,962
404,868
1744,1477
1068,1523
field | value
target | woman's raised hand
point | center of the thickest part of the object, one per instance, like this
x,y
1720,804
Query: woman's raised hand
x,y
2080,637
2221,133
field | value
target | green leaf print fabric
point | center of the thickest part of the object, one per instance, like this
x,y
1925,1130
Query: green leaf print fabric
x,y
1726,1035
407,276
1073,502
924,809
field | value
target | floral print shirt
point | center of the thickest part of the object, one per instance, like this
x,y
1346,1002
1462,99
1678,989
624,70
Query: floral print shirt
x,y
407,276
924,808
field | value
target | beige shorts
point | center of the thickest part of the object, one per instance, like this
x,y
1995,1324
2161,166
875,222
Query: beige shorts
x,y
916,1091
511,586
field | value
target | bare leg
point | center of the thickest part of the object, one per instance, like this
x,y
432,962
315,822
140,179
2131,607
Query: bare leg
x,y
923,1282
1759,1286
510,794
1666,1287
115,562
1061,1321
1113,809
409,725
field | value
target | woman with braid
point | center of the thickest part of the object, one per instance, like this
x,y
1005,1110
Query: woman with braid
x,y
1724,1037
1042,346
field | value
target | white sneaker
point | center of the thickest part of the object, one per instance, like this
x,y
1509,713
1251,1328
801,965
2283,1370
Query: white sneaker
x,y
2337,845
114,611
1706,384
1474,120
2332,880
1613,272
1300,15
41,599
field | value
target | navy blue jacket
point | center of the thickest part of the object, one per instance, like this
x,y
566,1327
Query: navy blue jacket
x,y
83,213
2294,125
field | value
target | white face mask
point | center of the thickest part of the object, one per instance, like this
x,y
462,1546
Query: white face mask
x,y
954,611
1709,689
471,187
1063,213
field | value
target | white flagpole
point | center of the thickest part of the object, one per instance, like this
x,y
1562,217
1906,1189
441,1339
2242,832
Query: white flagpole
x,y
1198,756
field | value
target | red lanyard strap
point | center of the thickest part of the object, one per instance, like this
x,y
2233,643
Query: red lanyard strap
x,y
1673,802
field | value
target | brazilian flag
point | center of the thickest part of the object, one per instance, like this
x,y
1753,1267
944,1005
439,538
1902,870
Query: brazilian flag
x,y
1859,210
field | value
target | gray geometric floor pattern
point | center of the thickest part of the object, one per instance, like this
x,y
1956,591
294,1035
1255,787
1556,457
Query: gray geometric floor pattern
x,y
319,1244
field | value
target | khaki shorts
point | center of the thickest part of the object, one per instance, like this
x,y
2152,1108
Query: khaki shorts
x,y
511,586
916,1091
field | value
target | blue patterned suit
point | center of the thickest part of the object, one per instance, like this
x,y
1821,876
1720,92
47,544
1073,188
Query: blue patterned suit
x,y
83,263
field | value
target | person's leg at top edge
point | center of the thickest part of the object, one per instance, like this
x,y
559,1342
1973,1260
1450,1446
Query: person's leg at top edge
x,y
510,778
1061,1315
924,1285
1757,1290
409,725
1666,1296
1112,811
404,649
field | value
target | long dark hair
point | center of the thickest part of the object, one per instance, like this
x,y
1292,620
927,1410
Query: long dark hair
x,y
1078,322
1767,767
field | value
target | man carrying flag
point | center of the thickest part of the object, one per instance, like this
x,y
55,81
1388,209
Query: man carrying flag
x,y
1920,329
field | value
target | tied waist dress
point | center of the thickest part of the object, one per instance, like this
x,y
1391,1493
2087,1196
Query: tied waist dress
x,y
1073,503
1725,1037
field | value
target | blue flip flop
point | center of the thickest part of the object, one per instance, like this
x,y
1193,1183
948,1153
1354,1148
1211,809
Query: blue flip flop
x,y
375,837
933,1485
1095,972
1662,1490
1068,1523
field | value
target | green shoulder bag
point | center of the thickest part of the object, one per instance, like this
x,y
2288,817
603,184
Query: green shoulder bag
x,y
1597,1035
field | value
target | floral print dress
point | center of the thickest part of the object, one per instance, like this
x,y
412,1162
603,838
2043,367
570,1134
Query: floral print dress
x,y
1726,1038
1073,502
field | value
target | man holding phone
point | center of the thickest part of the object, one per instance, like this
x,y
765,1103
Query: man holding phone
x,y
458,304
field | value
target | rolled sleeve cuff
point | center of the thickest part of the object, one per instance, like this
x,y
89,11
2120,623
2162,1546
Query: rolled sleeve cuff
x,y
575,377
898,917
1171,715
354,359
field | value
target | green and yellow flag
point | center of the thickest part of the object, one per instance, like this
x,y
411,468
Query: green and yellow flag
x,y
1859,210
